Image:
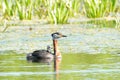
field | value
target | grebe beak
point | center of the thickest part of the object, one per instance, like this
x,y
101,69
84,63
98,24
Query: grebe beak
x,y
64,36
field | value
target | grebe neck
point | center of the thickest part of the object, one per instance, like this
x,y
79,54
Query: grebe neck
x,y
55,47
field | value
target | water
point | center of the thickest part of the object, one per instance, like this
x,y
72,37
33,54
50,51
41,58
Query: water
x,y
13,66
90,52
82,38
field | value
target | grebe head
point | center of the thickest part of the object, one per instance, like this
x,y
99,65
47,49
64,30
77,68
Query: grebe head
x,y
57,35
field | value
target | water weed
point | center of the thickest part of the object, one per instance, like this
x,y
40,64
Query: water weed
x,y
40,8
99,8
112,5
9,9
24,9
58,13
74,6
95,8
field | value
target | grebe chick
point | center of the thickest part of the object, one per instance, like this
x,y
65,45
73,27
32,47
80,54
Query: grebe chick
x,y
49,49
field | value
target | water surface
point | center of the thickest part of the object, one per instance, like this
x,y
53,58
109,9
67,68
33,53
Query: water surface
x,y
90,52
81,66
82,38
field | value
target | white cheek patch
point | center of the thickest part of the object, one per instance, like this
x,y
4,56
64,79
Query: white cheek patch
x,y
56,36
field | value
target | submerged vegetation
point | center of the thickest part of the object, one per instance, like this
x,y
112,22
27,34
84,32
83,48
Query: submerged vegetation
x,y
56,11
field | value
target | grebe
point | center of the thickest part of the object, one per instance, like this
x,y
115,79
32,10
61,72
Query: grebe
x,y
38,55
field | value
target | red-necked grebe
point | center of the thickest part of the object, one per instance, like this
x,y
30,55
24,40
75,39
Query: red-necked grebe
x,y
37,55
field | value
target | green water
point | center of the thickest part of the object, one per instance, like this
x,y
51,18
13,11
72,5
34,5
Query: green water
x,y
13,66
90,52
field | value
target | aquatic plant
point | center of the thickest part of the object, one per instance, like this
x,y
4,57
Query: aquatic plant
x,y
24,8
112,5
40,8
99,8
95,8
58,12
8,9
0,5
117,21
74,6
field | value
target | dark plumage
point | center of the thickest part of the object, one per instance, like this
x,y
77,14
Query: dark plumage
x,y
45,55
38,55
42,54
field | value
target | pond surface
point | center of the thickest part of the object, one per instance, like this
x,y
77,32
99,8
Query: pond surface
x,y
82,38
90,52
13,66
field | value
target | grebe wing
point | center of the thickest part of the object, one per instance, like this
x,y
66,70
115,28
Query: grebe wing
x,y
42,54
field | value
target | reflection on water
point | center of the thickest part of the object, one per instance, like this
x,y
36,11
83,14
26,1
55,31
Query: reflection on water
x,y
72,67
56,68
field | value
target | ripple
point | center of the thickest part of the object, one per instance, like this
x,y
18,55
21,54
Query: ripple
x,y
63,72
